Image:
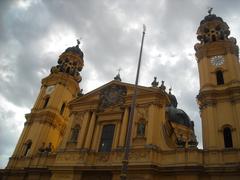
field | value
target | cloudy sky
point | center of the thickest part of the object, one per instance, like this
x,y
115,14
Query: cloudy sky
x,y
33,33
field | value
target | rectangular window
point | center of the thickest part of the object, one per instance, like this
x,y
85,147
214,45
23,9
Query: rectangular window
x,y
107,138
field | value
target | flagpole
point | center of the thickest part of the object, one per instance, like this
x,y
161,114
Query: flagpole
x,y
129,128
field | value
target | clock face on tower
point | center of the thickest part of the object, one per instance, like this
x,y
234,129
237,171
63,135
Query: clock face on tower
x,y
217,60
50,89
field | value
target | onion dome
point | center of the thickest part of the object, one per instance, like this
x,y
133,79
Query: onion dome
x,y
70,62
76,50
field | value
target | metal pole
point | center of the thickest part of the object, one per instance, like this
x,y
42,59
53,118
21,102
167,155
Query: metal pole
x,y
129,128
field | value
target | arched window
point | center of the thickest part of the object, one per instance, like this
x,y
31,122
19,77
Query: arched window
x,y
107,138
46,102
62,108
227,134
27,147
219,76
75,132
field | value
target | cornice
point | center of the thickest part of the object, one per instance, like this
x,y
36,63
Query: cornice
x,y
47,117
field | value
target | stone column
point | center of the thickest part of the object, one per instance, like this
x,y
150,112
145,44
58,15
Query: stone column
x,y
83,130
90,131
123,132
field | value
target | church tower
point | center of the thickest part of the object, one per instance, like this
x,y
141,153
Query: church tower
x,y
45,125
219,96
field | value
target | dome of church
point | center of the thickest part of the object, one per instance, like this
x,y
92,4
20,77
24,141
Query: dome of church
x,y
179,116
76,50
211,17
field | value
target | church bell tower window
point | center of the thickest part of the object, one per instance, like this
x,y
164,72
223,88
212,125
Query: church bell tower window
x,y
62,108
46,102
219,76
75,132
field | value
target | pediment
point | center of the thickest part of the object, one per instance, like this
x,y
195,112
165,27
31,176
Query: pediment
x,y
114,93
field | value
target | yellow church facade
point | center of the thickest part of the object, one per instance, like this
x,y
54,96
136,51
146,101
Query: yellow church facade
x,y
71,135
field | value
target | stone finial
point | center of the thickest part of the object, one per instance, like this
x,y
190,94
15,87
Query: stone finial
x,y
155,82
163,87
117,77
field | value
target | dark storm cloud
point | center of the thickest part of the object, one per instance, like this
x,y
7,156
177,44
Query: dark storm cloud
x,y
111,34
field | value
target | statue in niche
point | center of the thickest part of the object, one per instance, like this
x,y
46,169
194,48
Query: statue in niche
x,y
141,129
75,132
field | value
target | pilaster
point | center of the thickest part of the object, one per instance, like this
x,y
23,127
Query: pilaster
x,y
124,128
90,131
83,131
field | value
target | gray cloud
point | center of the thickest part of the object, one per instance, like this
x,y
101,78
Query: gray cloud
x,y
111,34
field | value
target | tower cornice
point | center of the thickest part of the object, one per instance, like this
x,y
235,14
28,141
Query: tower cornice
x,y
63,79
210,97
216,48
49,117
